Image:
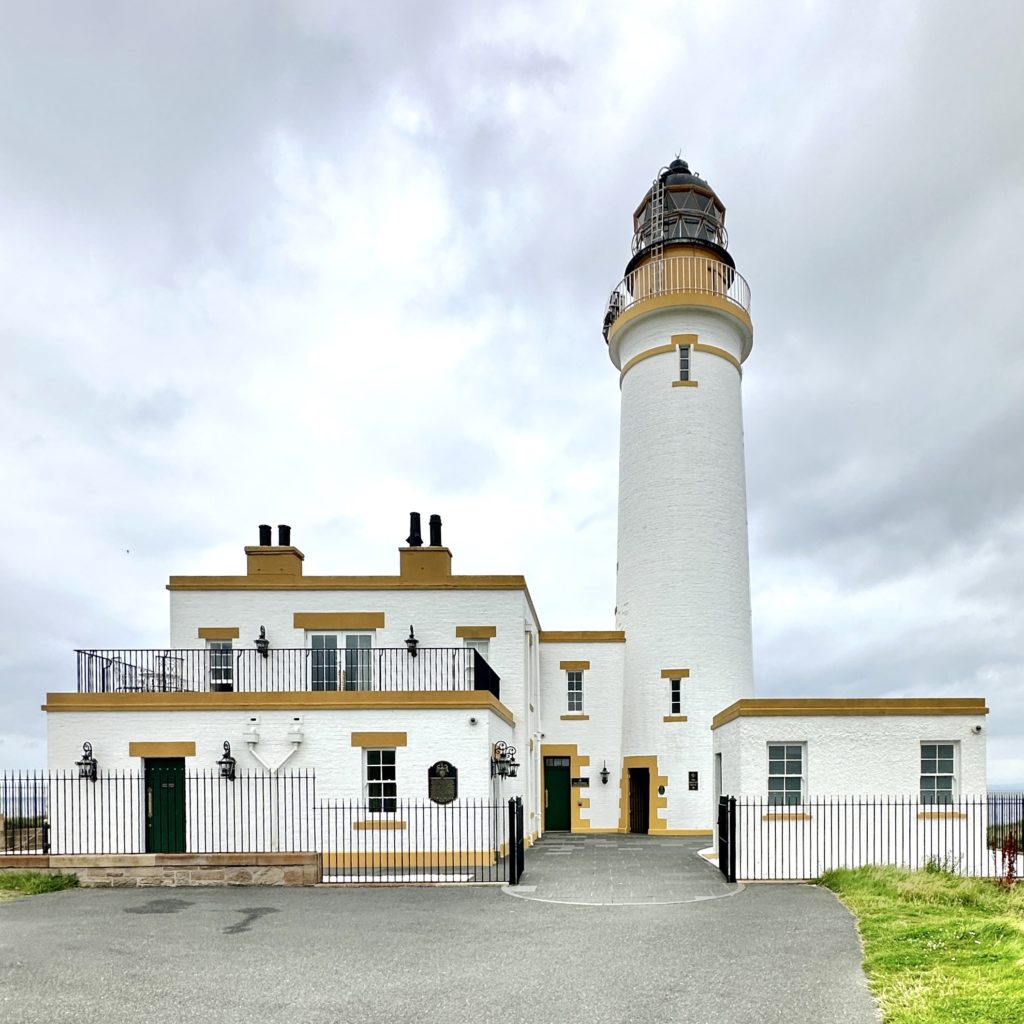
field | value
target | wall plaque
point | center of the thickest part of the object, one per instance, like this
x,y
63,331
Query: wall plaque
x,y
442,782
693,780
581,782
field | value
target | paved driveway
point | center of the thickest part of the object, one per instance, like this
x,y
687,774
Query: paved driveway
x,y
613,869
332,955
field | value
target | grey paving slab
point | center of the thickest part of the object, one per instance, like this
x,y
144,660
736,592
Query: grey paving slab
x,y
621,870
786,954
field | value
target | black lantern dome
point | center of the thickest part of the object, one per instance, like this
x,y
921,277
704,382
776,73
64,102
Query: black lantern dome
x,y
680,208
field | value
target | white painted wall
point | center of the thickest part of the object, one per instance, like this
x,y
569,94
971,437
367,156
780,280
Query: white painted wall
x,y
683,586
599,738
851,755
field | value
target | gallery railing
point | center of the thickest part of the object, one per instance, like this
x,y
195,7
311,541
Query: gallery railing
x,y
284,669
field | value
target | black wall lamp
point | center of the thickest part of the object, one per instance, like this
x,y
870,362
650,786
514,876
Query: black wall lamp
x,y
227,764
262,643
503,761
87,766
411,642
604,774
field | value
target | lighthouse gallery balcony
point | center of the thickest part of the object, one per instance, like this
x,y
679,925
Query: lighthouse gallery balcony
x,y
304,669
677,275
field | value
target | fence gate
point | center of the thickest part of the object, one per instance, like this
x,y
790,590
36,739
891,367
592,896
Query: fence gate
x,y
727,837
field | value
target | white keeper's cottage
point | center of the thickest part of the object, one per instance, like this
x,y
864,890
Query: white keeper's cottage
x,y
379,682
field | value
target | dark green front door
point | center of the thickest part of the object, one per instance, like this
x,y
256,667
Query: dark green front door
x,y
165,805
557,793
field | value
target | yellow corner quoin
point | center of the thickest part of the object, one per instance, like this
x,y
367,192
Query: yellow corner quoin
x,y
675,673
172,749
383,825
574,666
843,707
476,632
337,700
574,718
338,620
218,633
674,718
583,636
380,739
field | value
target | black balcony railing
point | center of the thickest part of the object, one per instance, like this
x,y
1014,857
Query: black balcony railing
x,y
380,669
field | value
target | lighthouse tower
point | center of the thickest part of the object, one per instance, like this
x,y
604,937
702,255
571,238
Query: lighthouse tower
x,y
678,329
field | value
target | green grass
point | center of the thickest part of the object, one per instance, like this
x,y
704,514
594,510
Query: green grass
x,y
31,883
938,949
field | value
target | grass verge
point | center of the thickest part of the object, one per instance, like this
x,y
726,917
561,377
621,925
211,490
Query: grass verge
x,y
938,949
30,883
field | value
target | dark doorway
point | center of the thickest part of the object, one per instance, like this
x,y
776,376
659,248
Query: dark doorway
x,y
557,793
639,799
165,805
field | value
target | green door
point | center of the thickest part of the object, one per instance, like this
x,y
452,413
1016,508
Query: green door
x,y
165,805
557,793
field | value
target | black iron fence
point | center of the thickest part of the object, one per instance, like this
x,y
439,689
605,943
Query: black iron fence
x,y
772,841
284,669
464,841
166,809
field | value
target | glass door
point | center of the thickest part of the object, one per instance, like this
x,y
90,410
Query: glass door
x,y
324,661
358,663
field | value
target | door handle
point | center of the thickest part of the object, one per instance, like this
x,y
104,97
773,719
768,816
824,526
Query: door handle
x,y
149,801
545,799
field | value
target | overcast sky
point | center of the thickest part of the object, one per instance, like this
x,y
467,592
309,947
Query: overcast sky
x,y
323,263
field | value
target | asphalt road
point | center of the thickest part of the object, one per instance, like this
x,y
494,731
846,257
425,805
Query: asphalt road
x,y
255,955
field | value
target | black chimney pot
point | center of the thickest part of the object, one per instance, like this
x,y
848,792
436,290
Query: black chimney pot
x,y
265,540
284,536
435,531
415,538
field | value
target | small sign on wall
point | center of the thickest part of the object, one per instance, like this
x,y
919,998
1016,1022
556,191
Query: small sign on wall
x,y
693,781
581,782
442,782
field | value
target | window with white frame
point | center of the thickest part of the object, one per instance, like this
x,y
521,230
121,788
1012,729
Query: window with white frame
x,y
483,648
937,772
220,661
675,697
381,781
324,661
786,773
684,362
575,690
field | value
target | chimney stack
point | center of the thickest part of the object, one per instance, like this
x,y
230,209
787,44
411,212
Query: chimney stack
x,y
265,540
435,531
284,536
415,538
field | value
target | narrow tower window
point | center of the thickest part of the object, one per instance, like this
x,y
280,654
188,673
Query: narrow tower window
x,y
676,697
575,704
684,362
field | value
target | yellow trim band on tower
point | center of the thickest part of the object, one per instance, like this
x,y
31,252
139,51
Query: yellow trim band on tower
x,y
574,666
675,673
582,636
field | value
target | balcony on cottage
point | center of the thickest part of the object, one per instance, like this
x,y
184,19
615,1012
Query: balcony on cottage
x,y
285,670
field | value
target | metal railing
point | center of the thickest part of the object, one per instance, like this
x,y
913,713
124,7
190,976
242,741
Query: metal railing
x,y
821,833
419,841
169,810
677,275
284,669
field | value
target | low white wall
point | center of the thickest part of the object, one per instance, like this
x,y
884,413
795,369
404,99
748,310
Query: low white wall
x,y
850,755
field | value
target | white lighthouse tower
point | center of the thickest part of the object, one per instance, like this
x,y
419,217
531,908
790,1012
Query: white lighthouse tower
x,y
678,329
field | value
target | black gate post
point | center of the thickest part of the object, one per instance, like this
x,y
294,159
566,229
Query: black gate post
x,y
516,855
727,837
